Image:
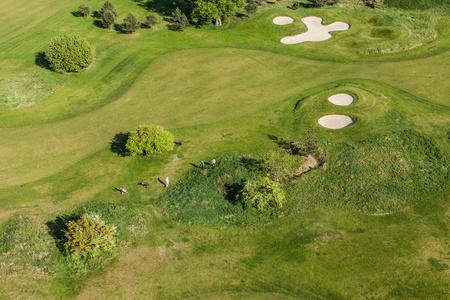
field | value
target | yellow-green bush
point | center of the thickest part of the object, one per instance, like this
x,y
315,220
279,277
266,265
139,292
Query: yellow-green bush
x,y
88,236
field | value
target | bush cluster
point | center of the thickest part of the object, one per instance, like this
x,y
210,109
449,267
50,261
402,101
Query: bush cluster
x,y
88,236
69,53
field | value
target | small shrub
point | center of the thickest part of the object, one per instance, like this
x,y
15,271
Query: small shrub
x,y
84,10
262,195
69,53
151,21
88,236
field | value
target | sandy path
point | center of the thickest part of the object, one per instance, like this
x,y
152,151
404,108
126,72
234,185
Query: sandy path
x,y
316,31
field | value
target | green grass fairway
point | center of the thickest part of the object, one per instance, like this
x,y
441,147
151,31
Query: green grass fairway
x,y
372,222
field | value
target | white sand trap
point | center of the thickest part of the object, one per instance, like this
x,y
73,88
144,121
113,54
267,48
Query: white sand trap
x,y
316,31
335,121
283,20
341,99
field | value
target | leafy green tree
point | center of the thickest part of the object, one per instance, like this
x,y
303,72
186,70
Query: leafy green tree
x,y
131,23
149,139
151,21
108,14
217,10
108,19
88,236
84,10
108,6
69,53
251,7
262,195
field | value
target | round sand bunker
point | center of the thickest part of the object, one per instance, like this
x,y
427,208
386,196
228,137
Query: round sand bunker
x,y
335,121
283,20
341,99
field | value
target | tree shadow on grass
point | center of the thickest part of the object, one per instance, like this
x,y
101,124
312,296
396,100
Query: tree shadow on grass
x,y
57,228
163,7
41,61
118,144
76,13
297,5
98,23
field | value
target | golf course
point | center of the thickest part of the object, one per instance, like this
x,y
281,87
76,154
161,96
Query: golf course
x,y
340,113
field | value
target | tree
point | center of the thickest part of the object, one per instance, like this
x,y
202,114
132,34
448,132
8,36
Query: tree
x,y
217,10
262,195
69,53
84,10
108,6
151,21
108,14
131,23
88,236
149,139
180,20
251,7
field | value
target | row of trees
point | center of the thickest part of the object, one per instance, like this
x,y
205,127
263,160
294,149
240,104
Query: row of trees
x,y
215,11
108,16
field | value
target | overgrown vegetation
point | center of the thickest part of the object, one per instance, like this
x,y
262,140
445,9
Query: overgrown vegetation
x,y
417,4
377,176
27,89
89,236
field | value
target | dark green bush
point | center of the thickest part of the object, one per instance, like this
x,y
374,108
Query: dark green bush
x,y
69,53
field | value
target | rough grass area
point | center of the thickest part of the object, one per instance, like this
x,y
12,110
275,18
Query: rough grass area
x,y
31,247
27,89
209,196
383,175
417,4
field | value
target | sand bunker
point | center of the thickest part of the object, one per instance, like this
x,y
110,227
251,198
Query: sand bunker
x,y
316,31
341,99
335,121
283,20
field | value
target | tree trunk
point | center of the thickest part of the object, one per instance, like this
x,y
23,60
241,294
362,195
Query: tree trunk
x,y
218,22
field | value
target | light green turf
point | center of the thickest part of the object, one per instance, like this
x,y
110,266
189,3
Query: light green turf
x,y
223,91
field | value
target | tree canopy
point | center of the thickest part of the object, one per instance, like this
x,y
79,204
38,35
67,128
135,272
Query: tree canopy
x,y
130,23
69,53
217,10
109,14
149,139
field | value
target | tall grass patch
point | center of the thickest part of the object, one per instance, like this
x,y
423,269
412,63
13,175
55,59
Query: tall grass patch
x,y
210,196
382,175
27,89
417,4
